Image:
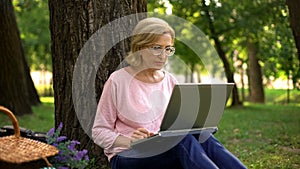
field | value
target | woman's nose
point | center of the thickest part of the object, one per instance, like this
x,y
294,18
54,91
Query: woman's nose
x,y
163,54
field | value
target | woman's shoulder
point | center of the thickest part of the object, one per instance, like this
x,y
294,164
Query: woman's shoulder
x,y
119,76
118,73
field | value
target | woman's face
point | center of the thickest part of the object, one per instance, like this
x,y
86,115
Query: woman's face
x,y
155,55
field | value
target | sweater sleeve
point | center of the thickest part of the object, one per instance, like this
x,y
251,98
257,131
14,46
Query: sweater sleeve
x,y
103,131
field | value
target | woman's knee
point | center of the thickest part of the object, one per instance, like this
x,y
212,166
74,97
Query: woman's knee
x,y
188,139
188,142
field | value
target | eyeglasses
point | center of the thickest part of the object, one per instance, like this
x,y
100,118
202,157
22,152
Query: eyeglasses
x,y
157,50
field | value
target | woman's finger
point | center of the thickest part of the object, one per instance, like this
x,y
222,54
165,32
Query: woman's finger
x,y
144,131
139,134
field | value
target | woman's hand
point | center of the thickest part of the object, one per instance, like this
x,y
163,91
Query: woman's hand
x,y
140,133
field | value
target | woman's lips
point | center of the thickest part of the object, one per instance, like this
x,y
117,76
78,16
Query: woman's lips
x,y
159,63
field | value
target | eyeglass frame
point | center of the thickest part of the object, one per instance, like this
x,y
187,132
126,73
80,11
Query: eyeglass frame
x,y
152,50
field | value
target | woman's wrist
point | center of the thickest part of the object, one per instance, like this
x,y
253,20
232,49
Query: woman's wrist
x,y
122,141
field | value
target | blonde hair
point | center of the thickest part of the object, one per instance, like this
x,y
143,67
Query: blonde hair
x,y
144,34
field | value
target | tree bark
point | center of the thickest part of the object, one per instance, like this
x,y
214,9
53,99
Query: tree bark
x,y
17,89
294,11
256,94
72,23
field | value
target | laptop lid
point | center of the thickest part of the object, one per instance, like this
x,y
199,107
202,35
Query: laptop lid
x,y
195,105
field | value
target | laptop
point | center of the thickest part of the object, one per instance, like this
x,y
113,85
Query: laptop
x,y
193,108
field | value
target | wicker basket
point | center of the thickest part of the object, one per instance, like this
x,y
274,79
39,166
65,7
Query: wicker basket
x,y
17,149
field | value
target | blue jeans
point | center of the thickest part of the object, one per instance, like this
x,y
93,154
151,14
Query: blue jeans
x,y
187,154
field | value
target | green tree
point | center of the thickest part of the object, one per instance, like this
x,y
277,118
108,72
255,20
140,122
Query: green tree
x,y
236,27
16,86
33,20
204,16
189,58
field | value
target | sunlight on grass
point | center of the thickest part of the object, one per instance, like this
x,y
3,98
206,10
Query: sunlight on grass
x,y
47,100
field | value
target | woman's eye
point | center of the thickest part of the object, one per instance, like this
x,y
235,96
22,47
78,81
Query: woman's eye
x,y
170,49
156,47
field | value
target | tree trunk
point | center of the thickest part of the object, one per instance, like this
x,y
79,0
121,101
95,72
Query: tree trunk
x,y
17,90
294,12
199,80
257,94
228,72
192,73
34,98
243,84
72,23
186,75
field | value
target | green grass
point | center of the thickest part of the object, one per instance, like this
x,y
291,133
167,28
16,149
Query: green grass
x,y
41,120
263,136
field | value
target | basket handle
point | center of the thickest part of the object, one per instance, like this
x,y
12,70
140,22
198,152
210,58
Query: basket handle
x,y
13,119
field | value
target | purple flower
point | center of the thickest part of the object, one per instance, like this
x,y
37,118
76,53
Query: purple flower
x,y
86,158
60,158
60,126
72,146
68,154
80,154
61,138
51,132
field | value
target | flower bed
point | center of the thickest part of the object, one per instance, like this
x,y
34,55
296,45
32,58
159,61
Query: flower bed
x,y
68,157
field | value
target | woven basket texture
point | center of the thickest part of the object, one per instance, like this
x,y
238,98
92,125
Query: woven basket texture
x,y
17,149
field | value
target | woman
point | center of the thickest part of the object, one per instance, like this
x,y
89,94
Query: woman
x,y
133,102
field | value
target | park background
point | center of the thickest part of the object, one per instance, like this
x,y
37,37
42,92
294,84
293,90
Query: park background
x,y
254,40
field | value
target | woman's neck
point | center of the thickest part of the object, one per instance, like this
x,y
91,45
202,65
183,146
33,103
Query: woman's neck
x,y
146,75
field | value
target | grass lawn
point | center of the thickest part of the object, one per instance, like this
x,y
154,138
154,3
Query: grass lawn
x,y
264,136
41,120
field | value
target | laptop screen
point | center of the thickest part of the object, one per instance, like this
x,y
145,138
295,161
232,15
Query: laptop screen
x,y
196,106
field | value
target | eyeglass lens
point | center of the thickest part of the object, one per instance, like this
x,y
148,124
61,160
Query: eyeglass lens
x,y
157,50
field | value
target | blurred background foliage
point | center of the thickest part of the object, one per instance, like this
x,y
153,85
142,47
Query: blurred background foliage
x,y
264,23
33,22
236,23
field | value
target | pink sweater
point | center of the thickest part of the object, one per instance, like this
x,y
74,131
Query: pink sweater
x,y
127,104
